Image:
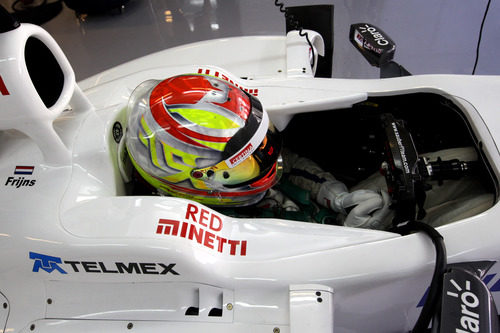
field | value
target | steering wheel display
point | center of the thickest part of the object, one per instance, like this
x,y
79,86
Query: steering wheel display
x,y
401,170
406,173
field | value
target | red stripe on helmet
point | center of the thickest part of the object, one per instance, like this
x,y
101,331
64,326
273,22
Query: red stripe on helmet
x,y
268,179
190,89
181,90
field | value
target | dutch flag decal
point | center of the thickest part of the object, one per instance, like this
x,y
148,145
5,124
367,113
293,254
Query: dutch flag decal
x,y
24,170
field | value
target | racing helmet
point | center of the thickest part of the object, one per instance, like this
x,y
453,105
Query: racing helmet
x,y
201,138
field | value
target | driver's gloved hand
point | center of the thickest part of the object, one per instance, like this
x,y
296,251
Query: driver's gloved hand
x,y
361,208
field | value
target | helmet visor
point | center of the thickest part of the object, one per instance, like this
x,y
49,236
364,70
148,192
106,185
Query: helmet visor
x,y
261,168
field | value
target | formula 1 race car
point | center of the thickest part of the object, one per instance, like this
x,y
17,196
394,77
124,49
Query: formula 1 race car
x,y
84,251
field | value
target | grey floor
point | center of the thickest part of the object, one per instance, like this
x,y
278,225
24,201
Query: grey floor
x,y
431,36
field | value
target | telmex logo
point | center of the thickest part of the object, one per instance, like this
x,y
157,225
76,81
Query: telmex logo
x,y
50,264
46,263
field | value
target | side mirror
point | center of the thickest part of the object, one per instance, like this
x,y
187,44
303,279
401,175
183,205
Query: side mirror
x,y
36,85
373,43
377,48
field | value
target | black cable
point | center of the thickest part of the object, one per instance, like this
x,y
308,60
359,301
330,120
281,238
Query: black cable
x,y
480,36
7,21
296,26
433,300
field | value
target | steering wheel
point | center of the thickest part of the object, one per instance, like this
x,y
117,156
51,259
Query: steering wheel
x,y
402,171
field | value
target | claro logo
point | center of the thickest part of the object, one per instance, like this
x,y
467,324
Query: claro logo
x,y
469,304
379,38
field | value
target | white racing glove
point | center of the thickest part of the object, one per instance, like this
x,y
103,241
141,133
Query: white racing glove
x,y
369,208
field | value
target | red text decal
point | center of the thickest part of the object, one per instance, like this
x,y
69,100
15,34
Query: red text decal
x,y
209,71
242,154
202,227
3,87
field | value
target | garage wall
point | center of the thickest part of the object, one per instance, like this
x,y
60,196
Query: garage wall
x,y
431,36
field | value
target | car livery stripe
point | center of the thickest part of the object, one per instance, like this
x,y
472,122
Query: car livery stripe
x,y
3,88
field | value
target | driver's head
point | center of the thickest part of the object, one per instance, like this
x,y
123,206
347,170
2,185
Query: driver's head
x,y
201,138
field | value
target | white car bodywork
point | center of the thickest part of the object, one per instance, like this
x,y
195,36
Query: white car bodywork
x,y
79,255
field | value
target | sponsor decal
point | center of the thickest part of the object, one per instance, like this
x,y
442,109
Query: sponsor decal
x,y
203,227
46,263
252,145
212,72
117,132
359,38
244,153
22,181
469,303
3,87
50,264
370,47
379,38
402,149
489,280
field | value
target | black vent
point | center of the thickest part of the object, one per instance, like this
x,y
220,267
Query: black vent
x,y
44,71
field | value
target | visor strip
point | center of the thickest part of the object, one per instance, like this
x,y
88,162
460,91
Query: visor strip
x,y
252,144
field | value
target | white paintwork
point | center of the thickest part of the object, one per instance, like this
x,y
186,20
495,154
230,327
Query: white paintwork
x,y
311,308
22,108
299,55
4,311
76,212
